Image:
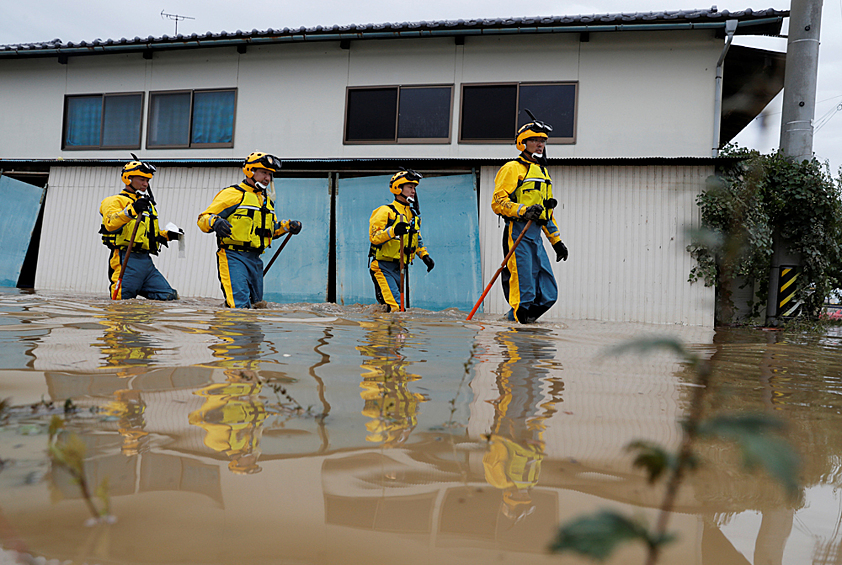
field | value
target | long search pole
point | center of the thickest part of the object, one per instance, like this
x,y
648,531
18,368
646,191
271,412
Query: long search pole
x,y
278,252
400,276
500,270
126,258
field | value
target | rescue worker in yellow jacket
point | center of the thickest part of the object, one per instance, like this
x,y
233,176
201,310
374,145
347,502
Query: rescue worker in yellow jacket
x,y
243,218
523,191
388,225
120,214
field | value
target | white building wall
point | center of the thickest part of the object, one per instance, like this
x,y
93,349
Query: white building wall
x,y
625,227
641,93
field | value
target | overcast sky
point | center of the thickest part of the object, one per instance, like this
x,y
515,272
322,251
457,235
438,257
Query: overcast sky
x,y
43,20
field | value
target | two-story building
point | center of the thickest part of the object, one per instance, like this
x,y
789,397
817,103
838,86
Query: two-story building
x,y
640,104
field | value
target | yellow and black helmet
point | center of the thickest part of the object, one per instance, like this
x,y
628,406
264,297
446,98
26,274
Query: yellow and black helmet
x,y
137,169
258,160
532,129
403,177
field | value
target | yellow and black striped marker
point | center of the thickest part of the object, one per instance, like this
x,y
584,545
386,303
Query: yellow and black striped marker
x,y
788,306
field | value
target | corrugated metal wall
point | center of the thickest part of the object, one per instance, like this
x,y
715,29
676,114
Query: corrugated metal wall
x,y
72,257
624,226
625,229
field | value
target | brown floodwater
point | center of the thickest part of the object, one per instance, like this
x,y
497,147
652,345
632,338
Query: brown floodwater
x,y
320,434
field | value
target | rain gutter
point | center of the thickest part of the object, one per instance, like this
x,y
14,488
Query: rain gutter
x,y
730,30
318,36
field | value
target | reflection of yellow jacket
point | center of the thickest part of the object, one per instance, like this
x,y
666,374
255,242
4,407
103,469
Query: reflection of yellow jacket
x,y
385,245
231,416
510,464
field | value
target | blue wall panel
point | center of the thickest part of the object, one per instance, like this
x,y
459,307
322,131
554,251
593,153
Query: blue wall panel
x,y
300,272
449,226
19,206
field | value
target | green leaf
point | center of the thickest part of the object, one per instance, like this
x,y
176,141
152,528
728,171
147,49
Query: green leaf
x,y
598,535
753,434
647,345
652,457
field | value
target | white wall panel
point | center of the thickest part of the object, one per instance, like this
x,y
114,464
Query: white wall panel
x,y
72,257
625,229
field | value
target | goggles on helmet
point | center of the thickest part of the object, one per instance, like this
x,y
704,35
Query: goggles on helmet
x,y
137,169
402,177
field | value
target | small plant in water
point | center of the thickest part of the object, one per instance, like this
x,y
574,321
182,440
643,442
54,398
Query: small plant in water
x,y
67,451
598,535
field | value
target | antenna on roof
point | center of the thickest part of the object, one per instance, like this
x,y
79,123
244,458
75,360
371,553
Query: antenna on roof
x,y
175,17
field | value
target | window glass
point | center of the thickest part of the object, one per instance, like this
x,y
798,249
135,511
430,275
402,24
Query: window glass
x,y
371,114
213,117
121,121
169,119
550,103
83,121
424,113
488,112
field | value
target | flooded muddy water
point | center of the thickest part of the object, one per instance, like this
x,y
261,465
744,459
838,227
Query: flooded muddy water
x,y
319,434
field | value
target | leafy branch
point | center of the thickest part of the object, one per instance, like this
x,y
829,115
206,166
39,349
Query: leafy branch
x,y
598,535
67,451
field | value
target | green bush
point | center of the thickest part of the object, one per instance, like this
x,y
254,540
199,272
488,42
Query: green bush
x,y
749,198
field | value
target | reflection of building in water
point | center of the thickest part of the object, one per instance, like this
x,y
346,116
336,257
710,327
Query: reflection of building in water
x,y
390,405
527,397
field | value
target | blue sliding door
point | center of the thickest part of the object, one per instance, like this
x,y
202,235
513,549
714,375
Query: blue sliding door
x,y
449,227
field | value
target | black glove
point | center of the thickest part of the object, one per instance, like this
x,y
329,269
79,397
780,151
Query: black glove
x,y
222,227
533,212
429,262
163,241
294,227
401,228
560,251
140,206
172,235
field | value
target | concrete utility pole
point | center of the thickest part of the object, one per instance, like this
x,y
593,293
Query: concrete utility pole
x,y
799,109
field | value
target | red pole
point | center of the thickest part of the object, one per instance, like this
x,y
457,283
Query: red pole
x,y
500,270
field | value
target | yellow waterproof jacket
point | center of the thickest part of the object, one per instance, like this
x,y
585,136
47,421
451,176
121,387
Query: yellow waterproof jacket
x,y
118,222
520,184
509,464
385,244
252,217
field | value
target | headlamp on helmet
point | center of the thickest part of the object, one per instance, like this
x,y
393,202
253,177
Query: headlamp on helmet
x,y
534,128
137,169
260,161
403,177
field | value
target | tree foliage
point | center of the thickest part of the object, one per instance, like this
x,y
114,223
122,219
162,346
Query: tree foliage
x,y
746,202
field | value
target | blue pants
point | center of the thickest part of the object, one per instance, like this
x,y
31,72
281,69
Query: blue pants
x,y
528,281
386,277
241,277
141,277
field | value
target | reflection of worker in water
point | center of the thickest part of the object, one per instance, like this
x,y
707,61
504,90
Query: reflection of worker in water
x,y
128,351
389,403
527,395
233,413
